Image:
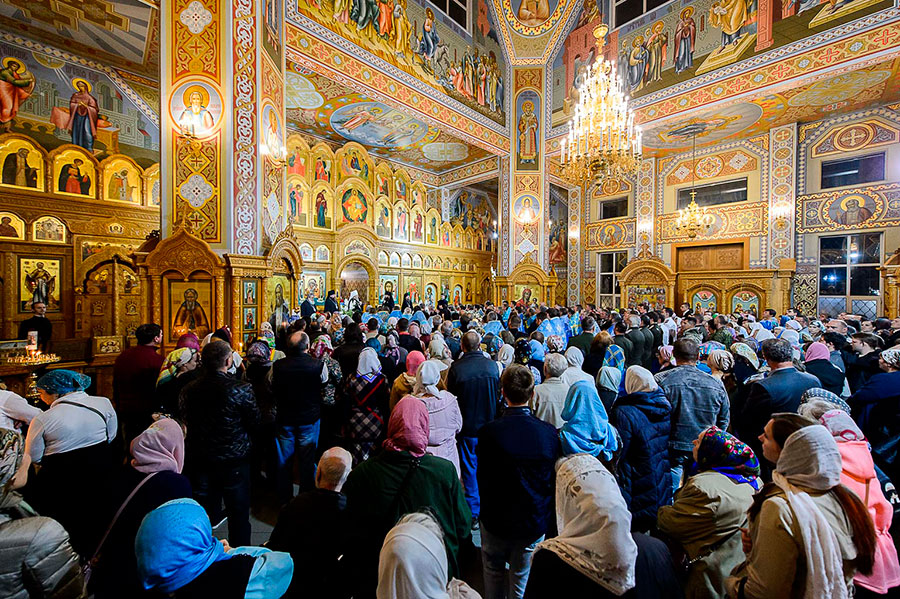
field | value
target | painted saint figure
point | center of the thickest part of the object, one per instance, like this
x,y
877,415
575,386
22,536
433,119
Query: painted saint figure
x,y
195,119
41,284
321,209
685,37
16,85
16,170
417,227
401,224
657,42
83,113
6,227
280,310
854,213
190,316
729,16
430,38
637,63
526,213
72,180
528,133
118,187
533,12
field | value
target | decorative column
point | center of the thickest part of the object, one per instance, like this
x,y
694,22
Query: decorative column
x,y
573,256
223,121
527,203
643,208
782,193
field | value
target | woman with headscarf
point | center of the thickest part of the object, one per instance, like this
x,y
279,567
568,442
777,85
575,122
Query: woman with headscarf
x,y
177,371
818,363
816,401
575,360
413,562
38,560
178,556
665,357
816,329
438,350
365,399
808,535
643,419
555,344
401,479
15,411
721,367
594,554
71,442
505,356
587,428
609,381
858,475
406,382
189,340
322,350
444,417
710,509
152,478
523,353
876,408
537,358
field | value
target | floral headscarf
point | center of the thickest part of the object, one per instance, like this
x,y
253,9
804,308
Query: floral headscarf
x,y
175,360
60,382
743,350
391,349
523,351
722,452
321,347
555,344
709,346
259,352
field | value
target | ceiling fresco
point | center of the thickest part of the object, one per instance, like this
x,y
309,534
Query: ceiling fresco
x,y
124,33
321,108
848,92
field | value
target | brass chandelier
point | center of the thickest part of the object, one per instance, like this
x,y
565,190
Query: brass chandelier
x,y
693,219
603,141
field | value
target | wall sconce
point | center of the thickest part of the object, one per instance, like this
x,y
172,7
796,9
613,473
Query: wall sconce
x,y
573,233
780,216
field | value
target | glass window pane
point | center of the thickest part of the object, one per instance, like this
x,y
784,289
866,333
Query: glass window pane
x,y
714,194
606,262
852,171
833,250
628,10
621,260
614,208
617,288
606,284
864,280
833,281
865,248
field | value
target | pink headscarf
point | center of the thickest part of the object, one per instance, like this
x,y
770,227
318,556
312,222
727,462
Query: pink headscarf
x,y
817,351
188,340
413,360
408,427
160,447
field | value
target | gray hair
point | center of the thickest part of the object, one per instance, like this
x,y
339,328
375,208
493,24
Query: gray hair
x,y
555,365
334,468
634,321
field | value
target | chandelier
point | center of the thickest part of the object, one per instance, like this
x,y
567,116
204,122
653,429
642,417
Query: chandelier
x,y
603,141
693,219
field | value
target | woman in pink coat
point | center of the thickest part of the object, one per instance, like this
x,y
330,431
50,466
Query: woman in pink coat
x,y
444,417
858,474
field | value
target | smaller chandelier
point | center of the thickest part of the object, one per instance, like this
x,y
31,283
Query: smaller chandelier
x,y
603,141
693,219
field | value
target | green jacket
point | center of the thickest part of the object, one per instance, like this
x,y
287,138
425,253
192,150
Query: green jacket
x,y
708,508
373,509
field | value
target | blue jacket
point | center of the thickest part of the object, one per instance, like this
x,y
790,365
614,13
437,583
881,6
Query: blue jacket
x,y
517,455
642,420
475,381
698,401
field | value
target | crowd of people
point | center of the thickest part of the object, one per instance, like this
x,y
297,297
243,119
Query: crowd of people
x,y
635,453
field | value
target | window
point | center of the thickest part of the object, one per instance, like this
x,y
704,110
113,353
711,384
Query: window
x,y
609,265
714,194
852,171
629,10
457,10
614,208
848,274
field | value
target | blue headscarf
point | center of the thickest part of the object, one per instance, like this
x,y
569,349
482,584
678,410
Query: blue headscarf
x,y
419,316
615,357
175,545
375,344
587,428
537,350
60,382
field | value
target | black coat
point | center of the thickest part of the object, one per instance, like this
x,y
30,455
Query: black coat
x,y
828,374
876,408
221,414
643,422
860,368
636,356
475,382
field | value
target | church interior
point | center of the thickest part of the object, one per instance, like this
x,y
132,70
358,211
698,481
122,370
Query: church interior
x,y
200,163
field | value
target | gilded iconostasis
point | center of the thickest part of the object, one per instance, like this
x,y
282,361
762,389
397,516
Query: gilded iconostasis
x,y
179,163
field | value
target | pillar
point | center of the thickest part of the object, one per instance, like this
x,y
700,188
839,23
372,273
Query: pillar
x,y
782,193
222,126
643,208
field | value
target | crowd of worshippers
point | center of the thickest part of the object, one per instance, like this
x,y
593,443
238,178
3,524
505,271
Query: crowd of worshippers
x,y
597,453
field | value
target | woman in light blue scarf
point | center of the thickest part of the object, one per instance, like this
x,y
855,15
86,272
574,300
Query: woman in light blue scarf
x,y
175,545
587,428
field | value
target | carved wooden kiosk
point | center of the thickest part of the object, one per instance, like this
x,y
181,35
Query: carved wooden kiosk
x,y
647,280
186,283
751,290
527,281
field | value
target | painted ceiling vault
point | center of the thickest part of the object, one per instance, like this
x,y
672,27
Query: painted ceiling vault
x,y
322,108
122,33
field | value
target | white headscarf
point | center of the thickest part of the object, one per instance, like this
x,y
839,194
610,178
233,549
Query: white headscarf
x,y
506,354
438,350
369,365
639,379
810,460
594,524
412,564
574,373
759,332
427,378
574,357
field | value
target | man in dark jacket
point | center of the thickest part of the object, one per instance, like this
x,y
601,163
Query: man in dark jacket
x,y
475,382
347,353
220,413
861,359
297,381
698,401
638,341
407,341
134,381
583,341
517,481
779,392
624,342
649,347
312,529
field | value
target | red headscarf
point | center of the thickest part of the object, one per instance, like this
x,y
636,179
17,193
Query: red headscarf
x,y
408,427
413,360
188,340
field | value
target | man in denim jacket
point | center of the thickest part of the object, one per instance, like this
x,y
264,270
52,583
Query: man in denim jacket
x,y
698,401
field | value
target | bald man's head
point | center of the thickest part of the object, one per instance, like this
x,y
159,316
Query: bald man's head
x,y
334,467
